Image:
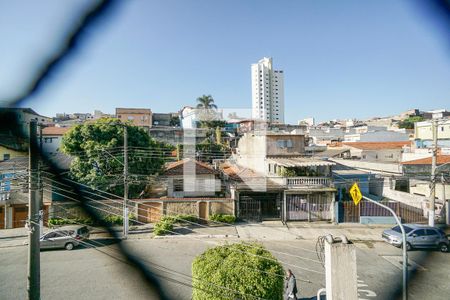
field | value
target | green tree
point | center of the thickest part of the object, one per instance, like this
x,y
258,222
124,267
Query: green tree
x,y
409,122
98,155
237,271
218,136
206,102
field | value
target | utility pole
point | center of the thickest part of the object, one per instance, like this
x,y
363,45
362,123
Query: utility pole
x,y
125,182
40,187
33,283
431,210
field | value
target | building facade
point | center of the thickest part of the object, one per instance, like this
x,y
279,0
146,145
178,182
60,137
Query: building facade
x,y
423,134
267,92
141,117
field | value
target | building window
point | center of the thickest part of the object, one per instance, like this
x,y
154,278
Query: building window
x,y
6,156
131,118
178,185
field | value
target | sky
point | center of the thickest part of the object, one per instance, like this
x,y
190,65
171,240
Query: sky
x,y
341,59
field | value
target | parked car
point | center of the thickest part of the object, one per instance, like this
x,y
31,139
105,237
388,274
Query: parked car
x,y
418,236
66,237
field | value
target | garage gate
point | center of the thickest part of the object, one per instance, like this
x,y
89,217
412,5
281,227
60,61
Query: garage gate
x,y
259,206
308,207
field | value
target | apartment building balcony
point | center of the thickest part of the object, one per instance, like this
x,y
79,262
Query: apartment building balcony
x,y
308,182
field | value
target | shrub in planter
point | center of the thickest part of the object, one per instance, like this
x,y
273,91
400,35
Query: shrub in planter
x,y
113,220
164,226
223,218
188,218
237,271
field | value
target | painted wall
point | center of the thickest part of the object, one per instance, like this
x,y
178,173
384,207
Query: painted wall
x,y
12,153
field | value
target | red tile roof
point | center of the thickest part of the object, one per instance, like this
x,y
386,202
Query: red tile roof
x,y
441,159
54,130
177,168
377,145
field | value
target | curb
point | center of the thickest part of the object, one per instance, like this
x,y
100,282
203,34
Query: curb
x,y
211,236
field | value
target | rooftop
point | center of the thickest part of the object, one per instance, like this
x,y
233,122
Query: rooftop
x,y
55,130
133,110
177,168
441,159
377,145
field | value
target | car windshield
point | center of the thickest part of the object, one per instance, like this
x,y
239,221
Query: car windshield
x,y
397,229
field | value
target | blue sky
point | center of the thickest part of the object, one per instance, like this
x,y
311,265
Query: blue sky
x,y
341,59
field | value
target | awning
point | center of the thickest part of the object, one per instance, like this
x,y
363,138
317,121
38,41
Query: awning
x,y
300,162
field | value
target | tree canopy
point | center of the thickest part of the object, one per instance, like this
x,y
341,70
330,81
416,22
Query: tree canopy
x,y
206,102
237,271
409,122
97,149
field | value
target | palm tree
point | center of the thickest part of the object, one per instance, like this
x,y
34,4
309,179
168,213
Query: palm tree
x,y
206,102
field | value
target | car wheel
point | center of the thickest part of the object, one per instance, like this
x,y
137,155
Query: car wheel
x,y
69,246
408,246
443,247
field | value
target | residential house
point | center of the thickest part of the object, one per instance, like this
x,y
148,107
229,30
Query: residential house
x,y
271,178
51,139
14,193
423,134
389,152
141,117
191,178
16,120
12,147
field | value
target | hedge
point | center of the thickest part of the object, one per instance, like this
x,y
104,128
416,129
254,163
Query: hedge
x,y
223,218
237,271
165,225
109,220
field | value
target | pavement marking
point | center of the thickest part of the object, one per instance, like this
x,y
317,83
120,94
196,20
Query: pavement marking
x,y
397,261
363,294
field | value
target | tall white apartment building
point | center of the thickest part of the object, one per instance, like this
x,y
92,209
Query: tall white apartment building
x,y
267,92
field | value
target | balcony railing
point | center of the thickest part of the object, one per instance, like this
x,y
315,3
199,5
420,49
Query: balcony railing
x,y
299,182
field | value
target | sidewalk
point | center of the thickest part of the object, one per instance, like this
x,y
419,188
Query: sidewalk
x,y
309,231
272,230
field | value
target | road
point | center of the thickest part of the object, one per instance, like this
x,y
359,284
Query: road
x,y
100,273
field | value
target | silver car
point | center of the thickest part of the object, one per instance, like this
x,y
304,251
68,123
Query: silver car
x,y
66,237
418,236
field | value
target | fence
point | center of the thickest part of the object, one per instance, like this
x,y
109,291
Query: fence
x,y
351,213
315,207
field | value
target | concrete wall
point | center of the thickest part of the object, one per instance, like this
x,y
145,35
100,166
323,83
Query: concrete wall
x,y
253,149
407,198
423,169
202,185
51,144
225,207
371,166
274,149
251,152
12,153
422,188
423,130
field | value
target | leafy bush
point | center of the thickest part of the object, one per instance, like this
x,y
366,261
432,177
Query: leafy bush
x,y
188,218
237,271
113,220
53,222
165,225
230,219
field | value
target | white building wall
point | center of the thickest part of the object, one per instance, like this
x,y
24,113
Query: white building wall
x,y
267,92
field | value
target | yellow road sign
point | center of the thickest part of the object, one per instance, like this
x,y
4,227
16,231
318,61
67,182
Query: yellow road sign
x,y
355,193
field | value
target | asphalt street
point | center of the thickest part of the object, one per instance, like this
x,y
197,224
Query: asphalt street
x,y
102,272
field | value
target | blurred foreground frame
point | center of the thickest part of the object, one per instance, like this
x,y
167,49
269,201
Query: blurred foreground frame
x,y
11,125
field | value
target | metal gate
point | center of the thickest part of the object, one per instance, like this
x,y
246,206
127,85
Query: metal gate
x,y
259,206
351,213
312,207
249,208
